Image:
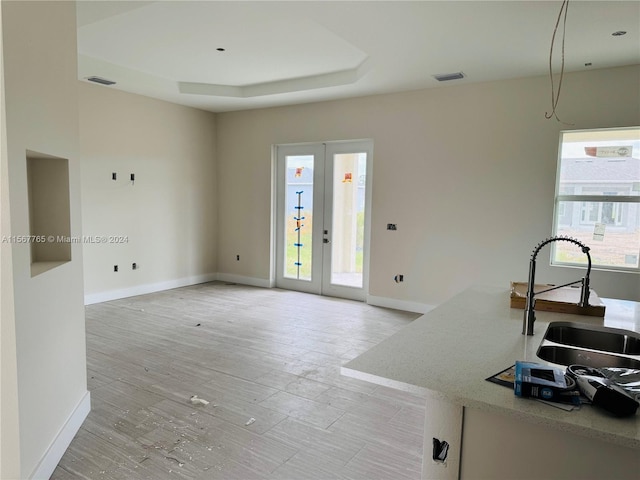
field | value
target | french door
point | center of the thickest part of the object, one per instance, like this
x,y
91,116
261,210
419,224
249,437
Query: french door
x,y
322,218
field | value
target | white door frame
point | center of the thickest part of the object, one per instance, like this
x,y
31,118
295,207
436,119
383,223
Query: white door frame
x,y
320,284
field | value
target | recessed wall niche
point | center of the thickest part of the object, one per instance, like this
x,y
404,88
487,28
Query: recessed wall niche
x,y
49,211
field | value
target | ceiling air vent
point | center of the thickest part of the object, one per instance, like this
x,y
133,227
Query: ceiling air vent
x,y
445,77
101,81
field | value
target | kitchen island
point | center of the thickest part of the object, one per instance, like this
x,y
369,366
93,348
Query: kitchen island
x,y
447,354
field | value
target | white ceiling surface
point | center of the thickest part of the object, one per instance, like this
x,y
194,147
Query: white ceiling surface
x,y
281,53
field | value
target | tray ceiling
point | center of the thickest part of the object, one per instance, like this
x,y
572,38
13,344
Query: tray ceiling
x,y
223,56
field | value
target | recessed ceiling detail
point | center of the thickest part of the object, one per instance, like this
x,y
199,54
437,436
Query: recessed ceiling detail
x,y
173,40
290,52
344,77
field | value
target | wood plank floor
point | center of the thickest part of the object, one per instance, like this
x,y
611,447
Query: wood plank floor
x,y
268,361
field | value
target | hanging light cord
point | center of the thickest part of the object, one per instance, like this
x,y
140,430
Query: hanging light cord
x,y
555,96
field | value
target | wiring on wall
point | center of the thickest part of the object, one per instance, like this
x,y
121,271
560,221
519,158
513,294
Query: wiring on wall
x,y
555,96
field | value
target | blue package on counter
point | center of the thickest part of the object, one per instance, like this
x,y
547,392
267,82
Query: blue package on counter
x,y
547,383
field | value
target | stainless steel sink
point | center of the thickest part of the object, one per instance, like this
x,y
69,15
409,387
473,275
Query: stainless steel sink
x,y
598,338
568,343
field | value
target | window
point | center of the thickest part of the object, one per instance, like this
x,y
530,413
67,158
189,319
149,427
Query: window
x,y
598,198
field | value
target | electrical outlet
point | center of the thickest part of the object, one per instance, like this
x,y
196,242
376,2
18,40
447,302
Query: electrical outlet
x,y
392,226
238,258
114,176
115,268
133,177
398,278
134,266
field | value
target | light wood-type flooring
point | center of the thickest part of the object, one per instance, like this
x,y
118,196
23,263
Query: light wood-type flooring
x,y
268,362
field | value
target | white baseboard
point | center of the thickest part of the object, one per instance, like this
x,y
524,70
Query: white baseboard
x,y
92,298
56,450
371,299
251,281
399,304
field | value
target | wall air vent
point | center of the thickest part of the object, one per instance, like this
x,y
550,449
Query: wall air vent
x,y
445,77
101,81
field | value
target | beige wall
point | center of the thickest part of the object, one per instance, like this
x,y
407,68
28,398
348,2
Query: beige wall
x,y
466,172
39,54
9,424
168,215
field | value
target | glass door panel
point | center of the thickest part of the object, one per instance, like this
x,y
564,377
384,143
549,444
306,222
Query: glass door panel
x,y
299,216
347,244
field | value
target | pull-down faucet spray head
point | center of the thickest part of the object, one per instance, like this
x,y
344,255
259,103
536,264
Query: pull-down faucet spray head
x,y
529,308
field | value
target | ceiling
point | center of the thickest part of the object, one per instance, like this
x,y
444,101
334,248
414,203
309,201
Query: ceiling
x,y
283,53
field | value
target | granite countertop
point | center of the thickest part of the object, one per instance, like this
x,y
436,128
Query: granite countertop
x,y
451,350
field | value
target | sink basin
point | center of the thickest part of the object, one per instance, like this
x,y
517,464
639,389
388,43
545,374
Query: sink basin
x,y
578,356
569,343
598,338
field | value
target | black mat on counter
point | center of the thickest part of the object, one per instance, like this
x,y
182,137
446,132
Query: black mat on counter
x,y
506,377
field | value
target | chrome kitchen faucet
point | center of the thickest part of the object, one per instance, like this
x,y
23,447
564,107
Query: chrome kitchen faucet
x,y
529,312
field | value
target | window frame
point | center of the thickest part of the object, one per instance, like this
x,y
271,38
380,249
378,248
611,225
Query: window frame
x,y
581,200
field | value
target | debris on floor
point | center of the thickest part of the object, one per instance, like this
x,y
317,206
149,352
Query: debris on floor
x,y
251,420
180,464
198,401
